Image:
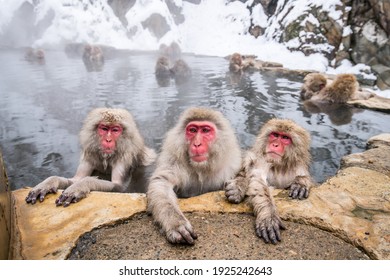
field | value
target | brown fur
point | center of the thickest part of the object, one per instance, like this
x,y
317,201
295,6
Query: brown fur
x,y
344,88
239,63
181,70
129,154
177,176
259,173
93,57
161,68
313,83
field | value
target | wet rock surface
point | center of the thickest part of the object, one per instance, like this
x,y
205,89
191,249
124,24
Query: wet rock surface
x,y
221,236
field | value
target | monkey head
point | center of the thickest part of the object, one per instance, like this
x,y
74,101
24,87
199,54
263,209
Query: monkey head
x,y
106,130
40,54
282,142
204,138
236,58
313,83
343,88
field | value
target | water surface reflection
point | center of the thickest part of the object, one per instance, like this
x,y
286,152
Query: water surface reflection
x,y
43,106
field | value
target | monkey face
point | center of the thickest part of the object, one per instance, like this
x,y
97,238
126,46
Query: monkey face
x,y
109,134
277,143
200,135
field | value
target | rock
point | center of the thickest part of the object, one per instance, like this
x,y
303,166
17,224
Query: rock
x,y
377,103
354,205
383,73
5,211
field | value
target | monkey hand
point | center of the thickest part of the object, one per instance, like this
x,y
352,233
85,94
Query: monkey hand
x,y
269,228
233,192
298,191
50,185
182,233
73,194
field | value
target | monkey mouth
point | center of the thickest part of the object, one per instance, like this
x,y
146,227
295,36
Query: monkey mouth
x,y
274,155
199,157
107,151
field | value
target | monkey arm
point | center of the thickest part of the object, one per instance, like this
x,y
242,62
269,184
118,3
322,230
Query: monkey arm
x,y
236,189
49,185
81,187
268,222
53,183
162,203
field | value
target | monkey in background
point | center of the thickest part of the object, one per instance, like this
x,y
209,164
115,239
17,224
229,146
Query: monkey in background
x,y
93,58
344,88
237,64
312,84
110,145
279,158
35,55
199,154
172,52
181,72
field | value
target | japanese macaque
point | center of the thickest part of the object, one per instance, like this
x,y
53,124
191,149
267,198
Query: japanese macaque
x,y
344,88
110,144
172,52
279,158
162,69
181,71
93,57
312,84
237,63
35,55
198,155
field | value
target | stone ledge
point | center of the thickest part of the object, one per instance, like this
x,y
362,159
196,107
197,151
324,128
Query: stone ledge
x,y
354,205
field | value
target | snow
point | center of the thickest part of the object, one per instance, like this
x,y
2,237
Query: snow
x,y
216,28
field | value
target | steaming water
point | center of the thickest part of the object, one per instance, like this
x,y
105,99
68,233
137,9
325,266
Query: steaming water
x,y
43,106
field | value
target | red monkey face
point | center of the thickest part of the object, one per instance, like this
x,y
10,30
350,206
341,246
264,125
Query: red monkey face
x,y
109,134
277,142
199,135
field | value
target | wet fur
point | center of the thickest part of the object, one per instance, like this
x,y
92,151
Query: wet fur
x,y
177,176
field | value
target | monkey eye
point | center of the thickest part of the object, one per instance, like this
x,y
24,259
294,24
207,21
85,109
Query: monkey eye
x,y
193,129
103,127
116,129
285,137
206,129
275,134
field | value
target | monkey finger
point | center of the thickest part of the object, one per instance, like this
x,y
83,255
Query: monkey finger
x,y
277,235
31,197
261,232
272,235
303,193
294,192
186,235
69,200
60,200
42,196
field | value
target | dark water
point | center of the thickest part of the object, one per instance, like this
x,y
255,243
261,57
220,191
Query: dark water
x,y
43,106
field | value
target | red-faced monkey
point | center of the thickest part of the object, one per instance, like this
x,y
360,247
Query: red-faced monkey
x,y
200,154
110,144
279,158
